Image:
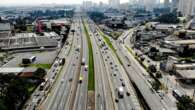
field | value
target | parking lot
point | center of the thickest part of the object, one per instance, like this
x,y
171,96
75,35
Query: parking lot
x,y
46,57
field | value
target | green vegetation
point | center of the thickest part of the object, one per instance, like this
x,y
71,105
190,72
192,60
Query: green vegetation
x,y
107,40
185,103
91,80
115,35
168,18
156,85
39,73
44,66
96,16
14,91
109,43
137,58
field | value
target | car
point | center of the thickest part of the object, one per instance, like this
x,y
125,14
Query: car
x,y
62,81
110,63
128,65
70,80
123,84
128,93
116,100
86,67
80,79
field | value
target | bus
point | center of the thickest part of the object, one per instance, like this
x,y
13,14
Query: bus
x,y
177,94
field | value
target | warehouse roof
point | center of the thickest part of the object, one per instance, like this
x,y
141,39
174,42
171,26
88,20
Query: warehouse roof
x,y
187,74
15,70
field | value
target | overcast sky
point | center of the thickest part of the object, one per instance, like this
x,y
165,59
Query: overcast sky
x,y
35,2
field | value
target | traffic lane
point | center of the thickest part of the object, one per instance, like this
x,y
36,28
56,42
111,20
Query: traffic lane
x,y
165,101
49,75
143,87
59,87
99,84
115,71
104,96
84,86
72,56
116,83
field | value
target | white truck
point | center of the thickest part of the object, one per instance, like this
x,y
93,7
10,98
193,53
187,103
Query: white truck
x,y
120,91
83,62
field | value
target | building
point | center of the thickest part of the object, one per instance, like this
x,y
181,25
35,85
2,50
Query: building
x,y
174,4
114,4
13,70
186,76
166,3
28,41
187,7
5,30
132,2
148,4
87,4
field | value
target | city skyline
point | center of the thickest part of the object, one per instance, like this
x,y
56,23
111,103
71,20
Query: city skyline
x,y
38,2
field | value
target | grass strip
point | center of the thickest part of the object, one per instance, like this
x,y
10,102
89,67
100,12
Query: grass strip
x,y
91,77
109,43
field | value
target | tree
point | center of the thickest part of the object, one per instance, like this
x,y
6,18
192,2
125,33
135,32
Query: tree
x,y
156,85
185,103
152,69
2,105
158,75
168,18
40,73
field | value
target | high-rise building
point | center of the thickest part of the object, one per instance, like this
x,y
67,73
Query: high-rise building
x,y
132,2
87,4
166,3
187,7
114,3
174,4
148,4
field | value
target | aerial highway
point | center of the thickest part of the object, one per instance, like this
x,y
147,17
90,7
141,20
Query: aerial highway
x,y
137,74
59,97
103,94
40,95
127,99
80,102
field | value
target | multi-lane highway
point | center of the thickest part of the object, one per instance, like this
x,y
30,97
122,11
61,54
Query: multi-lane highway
x,y
62,93
68,84
40,95
103,94
138,74
117,76
82,89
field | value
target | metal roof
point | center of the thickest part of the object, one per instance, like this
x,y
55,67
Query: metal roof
x,y
11,69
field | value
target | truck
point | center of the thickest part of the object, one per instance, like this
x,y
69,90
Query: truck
x,y
62,61
78,48
177,94
86,67
120,92
83,62
29,60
